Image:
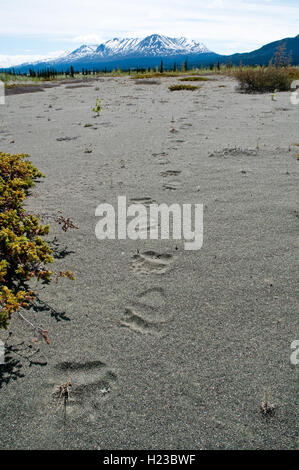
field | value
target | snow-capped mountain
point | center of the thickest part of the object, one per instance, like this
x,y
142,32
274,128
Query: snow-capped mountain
x,y
151,46
82,51
126,52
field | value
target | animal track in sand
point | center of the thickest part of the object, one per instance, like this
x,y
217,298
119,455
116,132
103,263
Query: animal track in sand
x,y
66,139
162,158
92,382
146,313
186,125
145,201
234,152
151,262
170,173
172,185
163,161
162,154
105,124
153,297
135,322
146,223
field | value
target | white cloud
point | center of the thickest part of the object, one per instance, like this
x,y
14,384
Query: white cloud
x,y
7,61
242,22
88,39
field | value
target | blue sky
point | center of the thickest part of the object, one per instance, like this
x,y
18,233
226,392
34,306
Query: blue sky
x,y
34,28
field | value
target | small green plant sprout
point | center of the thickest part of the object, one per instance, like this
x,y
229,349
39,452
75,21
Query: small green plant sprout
x,y
98,108
88,124
267,409
273,96
123,163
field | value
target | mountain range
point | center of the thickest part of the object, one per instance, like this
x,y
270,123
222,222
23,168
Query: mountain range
x,y
151,46
149,51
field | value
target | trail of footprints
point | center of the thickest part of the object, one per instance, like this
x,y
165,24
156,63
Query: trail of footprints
x,y
145,314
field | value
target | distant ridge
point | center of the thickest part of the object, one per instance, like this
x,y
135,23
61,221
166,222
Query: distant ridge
x,y
266,53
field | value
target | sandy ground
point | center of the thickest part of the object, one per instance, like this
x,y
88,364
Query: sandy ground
x,y
174,360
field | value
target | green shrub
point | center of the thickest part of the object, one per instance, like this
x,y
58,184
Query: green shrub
x,y
23,252
263,80
183,87
194,79
140,76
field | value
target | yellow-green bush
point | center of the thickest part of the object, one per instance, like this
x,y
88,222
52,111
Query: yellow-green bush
x,y
23,252
262,80
194,79
293,73
183,87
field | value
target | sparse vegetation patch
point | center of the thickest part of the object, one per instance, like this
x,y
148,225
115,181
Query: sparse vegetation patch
x,y
194,79
183,87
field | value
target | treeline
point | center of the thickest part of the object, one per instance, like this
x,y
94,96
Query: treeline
x,y
52,73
